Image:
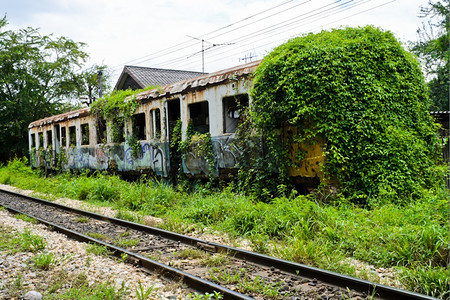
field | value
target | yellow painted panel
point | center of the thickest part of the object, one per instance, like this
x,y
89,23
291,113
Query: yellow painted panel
x,y
310,164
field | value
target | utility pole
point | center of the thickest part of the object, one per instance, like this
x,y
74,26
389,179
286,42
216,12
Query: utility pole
x,y
100,93
203,49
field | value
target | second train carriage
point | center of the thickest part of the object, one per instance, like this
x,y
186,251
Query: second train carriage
x,y
78,140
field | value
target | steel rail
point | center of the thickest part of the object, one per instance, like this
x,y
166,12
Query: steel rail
x,y
170,273
380,291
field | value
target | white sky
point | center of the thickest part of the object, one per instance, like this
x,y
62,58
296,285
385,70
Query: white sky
x,y
139,32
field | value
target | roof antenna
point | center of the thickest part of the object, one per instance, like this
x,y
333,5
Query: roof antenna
x,y
203,49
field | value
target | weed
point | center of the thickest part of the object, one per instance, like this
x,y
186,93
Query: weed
x,y
206,296
191,253
98,236
30,242
98,249
26,218
215,260
82,220
125,243
44,260
142,293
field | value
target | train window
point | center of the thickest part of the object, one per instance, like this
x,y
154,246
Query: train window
x,y
232,107
56,129
138,129
117,130
33,141
49,139
155,115
101,131
72,136
63,137
173,115
85,134
41,140
199,116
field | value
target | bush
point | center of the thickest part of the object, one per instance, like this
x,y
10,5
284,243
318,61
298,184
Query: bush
x,y
361,93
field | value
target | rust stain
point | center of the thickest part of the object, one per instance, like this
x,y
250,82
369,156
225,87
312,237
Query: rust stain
x,y
83,112
199,83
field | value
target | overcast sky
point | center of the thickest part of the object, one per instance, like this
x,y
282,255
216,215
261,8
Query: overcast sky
x,y
162,33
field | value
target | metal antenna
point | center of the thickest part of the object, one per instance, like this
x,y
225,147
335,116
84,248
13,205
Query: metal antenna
x,y
203,49
248,58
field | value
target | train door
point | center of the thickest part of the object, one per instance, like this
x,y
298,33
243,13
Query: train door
x,y
173,115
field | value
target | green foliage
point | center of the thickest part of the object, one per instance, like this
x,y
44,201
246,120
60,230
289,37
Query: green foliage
x,y
38,72
433,281
117,107
317,229
432,49
358,90
44,261
142,293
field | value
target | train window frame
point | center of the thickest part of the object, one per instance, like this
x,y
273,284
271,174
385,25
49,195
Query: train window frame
x,y
32,140
155,117
117,130
199,116
41,139
101,131
49,135
72,136
232,107
139,126
85,137
63,136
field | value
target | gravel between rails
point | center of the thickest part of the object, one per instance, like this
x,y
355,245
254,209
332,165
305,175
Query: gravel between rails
x,y
73,258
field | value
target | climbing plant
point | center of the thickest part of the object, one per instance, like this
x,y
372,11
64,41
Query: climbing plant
x,y
118,107
364,95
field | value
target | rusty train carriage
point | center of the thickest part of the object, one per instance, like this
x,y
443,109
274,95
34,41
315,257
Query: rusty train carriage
x,y
76,140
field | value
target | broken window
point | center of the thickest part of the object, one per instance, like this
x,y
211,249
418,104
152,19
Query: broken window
x,y
101,131
155,115
63,137
41,140
33,141
199,116
72,136
85,134
139,126
117,130
49,139
173,115
232,112
57,135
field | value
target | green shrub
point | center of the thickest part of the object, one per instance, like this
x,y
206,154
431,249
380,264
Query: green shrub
x,y
361,93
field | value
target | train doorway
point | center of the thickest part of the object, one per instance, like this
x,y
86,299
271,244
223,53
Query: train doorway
x,y
173,115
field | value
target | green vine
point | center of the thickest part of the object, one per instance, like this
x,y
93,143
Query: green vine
x,y
117,108
364,96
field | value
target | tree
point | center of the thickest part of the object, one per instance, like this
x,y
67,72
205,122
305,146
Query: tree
x,y
361,93
433,50
38,74
90,81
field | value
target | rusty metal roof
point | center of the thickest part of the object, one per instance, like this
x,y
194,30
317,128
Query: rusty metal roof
x,y
83,112
200,82
180,87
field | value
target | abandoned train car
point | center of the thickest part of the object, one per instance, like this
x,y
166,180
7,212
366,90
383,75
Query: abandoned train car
x,y
210,103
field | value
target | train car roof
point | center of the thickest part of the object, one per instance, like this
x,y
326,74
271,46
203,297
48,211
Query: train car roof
x,y
180,87
200,82
83,112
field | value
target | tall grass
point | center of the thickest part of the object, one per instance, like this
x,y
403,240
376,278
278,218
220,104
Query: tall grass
x,y
412,239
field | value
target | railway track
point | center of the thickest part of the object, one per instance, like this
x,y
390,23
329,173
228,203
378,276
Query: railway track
x,y
201,265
